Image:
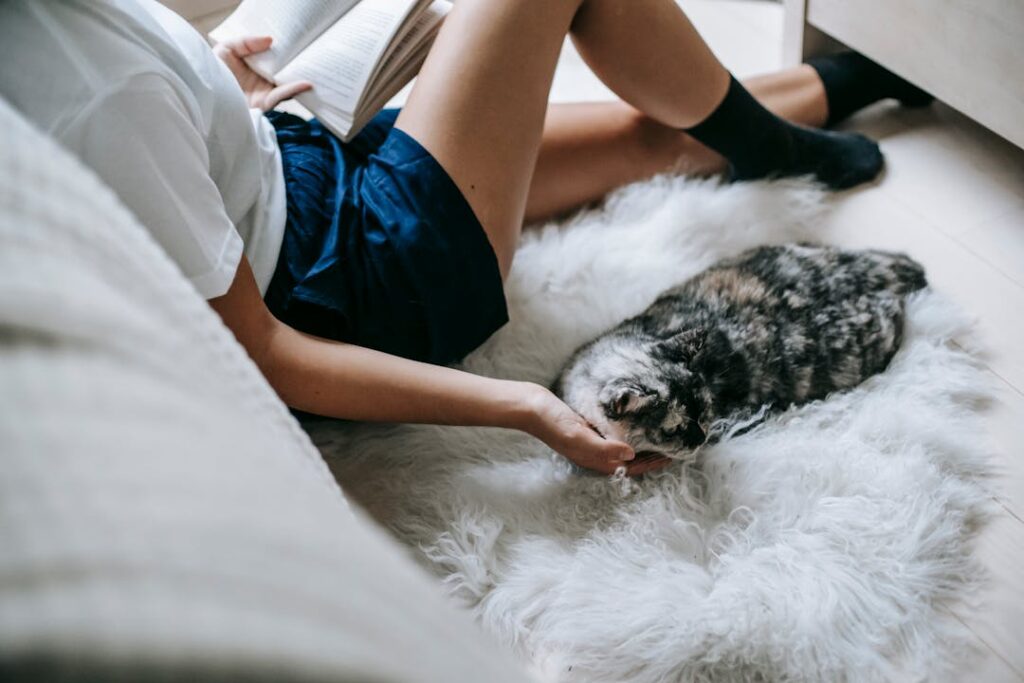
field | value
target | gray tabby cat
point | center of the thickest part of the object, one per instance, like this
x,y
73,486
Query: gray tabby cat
x,y
772,327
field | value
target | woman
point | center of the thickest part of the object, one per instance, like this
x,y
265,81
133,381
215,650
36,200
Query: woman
x,y
351,273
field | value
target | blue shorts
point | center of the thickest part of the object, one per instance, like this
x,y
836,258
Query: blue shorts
x,y
380,248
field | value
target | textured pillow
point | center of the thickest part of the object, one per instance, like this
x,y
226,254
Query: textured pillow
x,y
161,513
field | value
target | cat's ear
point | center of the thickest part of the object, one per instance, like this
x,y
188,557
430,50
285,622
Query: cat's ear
x,y
705,420
684,346
624,399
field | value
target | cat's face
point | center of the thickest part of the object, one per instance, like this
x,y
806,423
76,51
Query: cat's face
x,y
638,391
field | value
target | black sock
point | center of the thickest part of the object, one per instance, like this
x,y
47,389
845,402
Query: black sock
x,y
758,144
852,82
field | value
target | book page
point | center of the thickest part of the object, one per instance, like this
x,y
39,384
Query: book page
x,y
293,25
386,89
417,34
337,122
339,63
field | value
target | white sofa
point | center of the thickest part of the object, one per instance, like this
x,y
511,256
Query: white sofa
x,y
162,515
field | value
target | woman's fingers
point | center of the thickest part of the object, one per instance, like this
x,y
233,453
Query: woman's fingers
x,y
647,463
249,45
606,456
564,430
612,451
589,449
286,92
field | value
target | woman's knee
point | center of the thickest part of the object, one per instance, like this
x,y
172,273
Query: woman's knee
x,y
568,8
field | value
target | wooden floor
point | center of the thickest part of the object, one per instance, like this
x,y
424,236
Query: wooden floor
x,y
953,197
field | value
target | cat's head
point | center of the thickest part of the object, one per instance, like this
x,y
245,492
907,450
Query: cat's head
x,y
641,391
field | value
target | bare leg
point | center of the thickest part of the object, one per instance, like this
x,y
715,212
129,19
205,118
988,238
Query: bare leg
x,y
480,100
479,103
652,57
796,94
589,149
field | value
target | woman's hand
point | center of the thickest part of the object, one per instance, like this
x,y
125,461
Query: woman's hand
x,y
354,383
557,425
261,93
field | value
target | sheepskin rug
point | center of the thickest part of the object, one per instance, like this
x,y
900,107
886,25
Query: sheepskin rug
x,y
823,546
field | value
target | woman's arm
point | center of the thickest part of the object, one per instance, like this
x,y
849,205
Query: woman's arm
x,y
351,382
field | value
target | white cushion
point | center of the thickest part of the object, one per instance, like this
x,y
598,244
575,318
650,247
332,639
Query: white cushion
x,y
160,510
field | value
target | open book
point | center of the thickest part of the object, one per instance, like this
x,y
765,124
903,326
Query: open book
x,y
357,53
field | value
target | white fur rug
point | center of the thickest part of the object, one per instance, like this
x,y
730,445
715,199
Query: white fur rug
x,y
820,547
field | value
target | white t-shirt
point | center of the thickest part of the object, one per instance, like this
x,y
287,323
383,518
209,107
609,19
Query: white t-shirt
x,y
136,93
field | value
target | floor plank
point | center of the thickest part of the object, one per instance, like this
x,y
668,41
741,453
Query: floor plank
x,y
987,667
1000,242
1006,427
998,620
952,171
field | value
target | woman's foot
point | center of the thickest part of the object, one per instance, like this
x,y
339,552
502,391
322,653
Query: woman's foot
x,y
758,144
838,160
852,82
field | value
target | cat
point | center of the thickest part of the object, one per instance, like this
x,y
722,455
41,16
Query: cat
x,y
772,327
